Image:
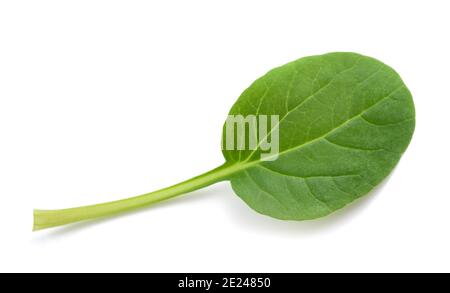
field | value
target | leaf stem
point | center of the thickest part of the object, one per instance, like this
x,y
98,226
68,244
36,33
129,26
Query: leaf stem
x,y
51,218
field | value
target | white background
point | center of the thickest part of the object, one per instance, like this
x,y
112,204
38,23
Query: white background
x,y
101,100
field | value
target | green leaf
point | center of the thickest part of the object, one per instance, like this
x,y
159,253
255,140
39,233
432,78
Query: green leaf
x,y
343,122
345,119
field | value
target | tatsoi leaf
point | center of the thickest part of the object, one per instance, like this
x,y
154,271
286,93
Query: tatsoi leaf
x,y
338,123
345,120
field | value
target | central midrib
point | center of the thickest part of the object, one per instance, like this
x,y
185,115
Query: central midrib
x,y
239,166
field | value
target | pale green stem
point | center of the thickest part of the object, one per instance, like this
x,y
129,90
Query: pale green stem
x,y
51,218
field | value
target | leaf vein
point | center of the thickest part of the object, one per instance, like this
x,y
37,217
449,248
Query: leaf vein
x,y
264,190
315,196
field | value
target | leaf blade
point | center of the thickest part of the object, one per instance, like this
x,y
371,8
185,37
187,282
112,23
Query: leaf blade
x,y
354,117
